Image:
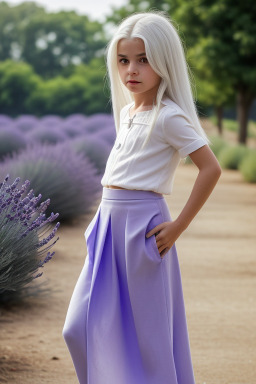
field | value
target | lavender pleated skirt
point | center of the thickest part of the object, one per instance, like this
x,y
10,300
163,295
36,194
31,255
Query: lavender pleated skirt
x,y
126,321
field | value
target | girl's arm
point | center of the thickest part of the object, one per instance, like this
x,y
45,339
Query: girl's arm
x,y
209,173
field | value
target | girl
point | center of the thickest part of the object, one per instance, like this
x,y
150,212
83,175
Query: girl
x,y
126,321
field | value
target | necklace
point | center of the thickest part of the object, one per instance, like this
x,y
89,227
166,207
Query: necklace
x,y
131,121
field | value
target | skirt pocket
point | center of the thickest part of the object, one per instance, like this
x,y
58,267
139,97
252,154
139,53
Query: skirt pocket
x,y
154,245
154,220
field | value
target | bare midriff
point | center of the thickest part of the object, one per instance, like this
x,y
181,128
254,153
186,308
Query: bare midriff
x,y
115,187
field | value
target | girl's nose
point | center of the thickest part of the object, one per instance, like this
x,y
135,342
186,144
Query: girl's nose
x,y
132,69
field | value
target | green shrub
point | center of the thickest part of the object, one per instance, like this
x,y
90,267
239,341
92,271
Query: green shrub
x,y
248,167
230,125
231,156
187,160
217,144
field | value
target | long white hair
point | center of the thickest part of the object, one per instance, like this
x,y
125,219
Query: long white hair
x,y
166,57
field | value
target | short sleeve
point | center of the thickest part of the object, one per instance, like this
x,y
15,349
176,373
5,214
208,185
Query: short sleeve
x,y
180,134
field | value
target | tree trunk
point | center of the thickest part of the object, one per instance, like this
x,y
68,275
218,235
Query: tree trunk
x,y
244,102
219,114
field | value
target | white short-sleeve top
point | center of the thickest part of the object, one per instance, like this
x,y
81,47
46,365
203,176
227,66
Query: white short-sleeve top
x,y
151,168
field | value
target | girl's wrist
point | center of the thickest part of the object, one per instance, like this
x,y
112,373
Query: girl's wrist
x,y
180,224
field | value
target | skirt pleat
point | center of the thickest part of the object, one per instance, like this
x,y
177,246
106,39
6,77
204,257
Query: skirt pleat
x,y
126,321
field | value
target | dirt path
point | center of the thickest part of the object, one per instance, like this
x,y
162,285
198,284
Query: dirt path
x,y
218,266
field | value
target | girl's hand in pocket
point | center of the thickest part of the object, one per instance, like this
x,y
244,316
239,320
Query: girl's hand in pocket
x,y
166,234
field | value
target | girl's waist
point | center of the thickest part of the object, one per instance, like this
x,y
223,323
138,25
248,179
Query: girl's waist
x,y
111,192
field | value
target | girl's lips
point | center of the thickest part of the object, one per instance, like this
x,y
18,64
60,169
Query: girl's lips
x,y
133,82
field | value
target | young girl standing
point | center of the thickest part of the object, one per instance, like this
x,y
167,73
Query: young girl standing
x,y
126,322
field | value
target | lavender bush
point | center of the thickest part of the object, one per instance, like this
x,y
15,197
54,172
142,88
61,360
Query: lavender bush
x,y
67,178
51,120
108,135
98,121
11,141
77,119
25,238
95,135
94,148
73,130
47,135
25,123
5,120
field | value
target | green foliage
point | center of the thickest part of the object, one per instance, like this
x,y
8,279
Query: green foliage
x,y
225,38
248,167
49,42
231,156
221,40
119,13
252,129
232,125
22,91
217,144
188,160
17,82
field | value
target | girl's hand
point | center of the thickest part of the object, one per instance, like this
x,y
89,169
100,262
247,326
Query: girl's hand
x,y
166,234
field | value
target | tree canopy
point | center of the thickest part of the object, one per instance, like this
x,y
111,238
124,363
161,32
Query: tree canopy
x,y
49,42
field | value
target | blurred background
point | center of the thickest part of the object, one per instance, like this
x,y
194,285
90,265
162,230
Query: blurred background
x,y
56,130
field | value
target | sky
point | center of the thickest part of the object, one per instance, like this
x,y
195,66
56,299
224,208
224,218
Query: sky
x,y
96,9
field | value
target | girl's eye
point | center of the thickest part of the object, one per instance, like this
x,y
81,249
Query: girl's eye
x,y
123,61
143,60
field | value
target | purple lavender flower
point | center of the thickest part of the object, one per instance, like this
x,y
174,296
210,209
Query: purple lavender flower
x,y
98,121
26,123
22,225
5,120
108,134
47,134
94,148
11,141
57,172
73,130
51,120
77,119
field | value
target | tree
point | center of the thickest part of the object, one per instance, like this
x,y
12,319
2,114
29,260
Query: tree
x,y
23,91
210,91
50,42
82,92
17,82
222,34
117,14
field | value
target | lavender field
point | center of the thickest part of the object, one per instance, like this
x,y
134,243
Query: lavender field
x,y
63,158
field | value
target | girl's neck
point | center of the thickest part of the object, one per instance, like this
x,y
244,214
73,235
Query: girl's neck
x,y
142,105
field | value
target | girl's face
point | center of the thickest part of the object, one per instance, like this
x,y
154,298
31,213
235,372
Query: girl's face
x,y
134,70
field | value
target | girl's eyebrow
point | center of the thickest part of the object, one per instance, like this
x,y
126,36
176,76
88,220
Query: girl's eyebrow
x,y
140,54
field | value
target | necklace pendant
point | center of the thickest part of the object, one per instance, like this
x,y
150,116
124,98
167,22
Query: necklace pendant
x,y
131,121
